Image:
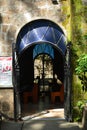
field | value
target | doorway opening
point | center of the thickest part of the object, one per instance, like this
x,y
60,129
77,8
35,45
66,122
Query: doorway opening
x,y
45,42
45,92
43,73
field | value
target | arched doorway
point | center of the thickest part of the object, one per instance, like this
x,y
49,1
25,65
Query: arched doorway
x,y
49,38
43,72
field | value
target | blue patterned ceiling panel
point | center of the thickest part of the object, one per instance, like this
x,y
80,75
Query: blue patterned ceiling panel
x,y
43,48
41,31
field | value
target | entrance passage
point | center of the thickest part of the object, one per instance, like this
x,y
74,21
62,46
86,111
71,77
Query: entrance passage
x,y
38,68
47,90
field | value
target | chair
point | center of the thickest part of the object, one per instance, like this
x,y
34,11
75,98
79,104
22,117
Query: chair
x,y
58,93
33,94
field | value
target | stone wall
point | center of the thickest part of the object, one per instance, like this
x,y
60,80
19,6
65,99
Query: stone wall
x,y
14,14
6,102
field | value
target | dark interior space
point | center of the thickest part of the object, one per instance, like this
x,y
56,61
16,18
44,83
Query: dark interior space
x,y
58,65
33,98
26,70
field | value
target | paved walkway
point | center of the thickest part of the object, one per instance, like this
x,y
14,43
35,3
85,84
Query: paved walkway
x,y
40,124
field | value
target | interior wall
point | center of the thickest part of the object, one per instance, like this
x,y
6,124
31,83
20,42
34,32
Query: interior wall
x,y
26,64
58,65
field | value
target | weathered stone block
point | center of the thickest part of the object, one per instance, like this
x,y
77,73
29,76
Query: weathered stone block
x,y
84,119
5,106
84,2
6,101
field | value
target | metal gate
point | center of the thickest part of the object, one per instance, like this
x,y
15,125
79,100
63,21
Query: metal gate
x,y
68,87
16,84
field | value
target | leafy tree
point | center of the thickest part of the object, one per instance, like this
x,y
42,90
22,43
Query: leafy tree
x,y
81,70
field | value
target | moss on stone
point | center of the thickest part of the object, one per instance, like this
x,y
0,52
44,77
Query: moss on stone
x,y
79,41
66,14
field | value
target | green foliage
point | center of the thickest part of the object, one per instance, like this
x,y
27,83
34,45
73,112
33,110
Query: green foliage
x,y
85,37
78,111
80,105
81,64
81,70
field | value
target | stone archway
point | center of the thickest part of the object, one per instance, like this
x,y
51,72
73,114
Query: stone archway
x,y
35,33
